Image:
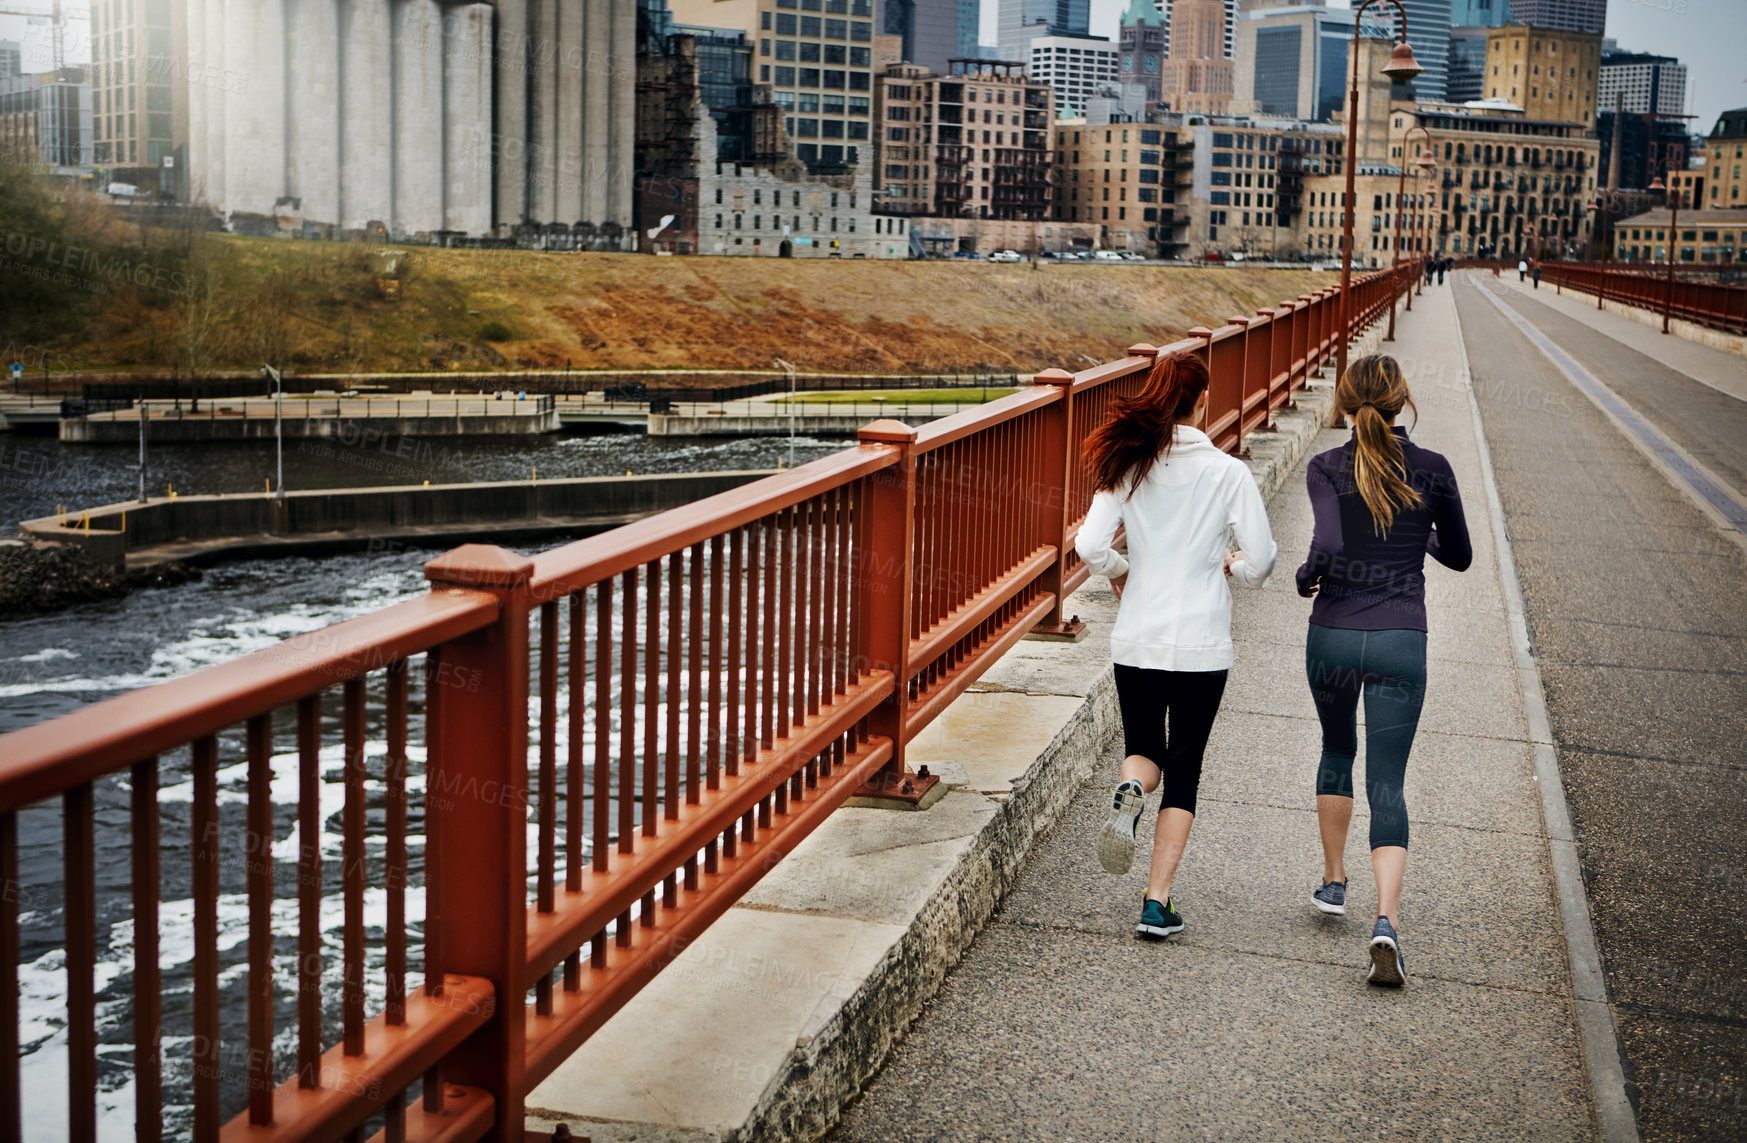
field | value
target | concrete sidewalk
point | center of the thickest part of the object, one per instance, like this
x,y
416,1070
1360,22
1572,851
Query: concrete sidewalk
x,y
1255,1023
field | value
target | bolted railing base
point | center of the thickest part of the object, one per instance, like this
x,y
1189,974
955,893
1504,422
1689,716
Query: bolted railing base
x,y
888,791
1070,631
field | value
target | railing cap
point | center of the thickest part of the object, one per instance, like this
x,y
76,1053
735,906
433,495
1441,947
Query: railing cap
x,y
1143,349
480,565
1199,331
887,430
1240,319
1055,376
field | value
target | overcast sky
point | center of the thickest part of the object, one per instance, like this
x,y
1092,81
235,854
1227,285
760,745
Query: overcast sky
x,y
1706,35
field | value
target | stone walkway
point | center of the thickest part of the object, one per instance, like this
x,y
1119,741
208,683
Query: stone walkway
x,y
1256,1023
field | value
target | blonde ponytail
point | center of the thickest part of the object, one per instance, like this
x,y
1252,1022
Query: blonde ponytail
x,y
1371,394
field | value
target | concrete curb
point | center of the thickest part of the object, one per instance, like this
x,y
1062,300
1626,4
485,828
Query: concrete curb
x,y
1615,1116
1679,327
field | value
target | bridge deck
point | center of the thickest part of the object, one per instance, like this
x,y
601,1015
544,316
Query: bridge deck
x,y
1255,1023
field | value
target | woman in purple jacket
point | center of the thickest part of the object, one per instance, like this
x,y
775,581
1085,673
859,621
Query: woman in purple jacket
x,y
1382,504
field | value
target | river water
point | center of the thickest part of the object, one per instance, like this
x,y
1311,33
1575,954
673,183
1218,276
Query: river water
x,y
51,664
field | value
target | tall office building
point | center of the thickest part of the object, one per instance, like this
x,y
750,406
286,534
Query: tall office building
x,y
1020,20
136,103
1075,67
1479,13
930,29
45,120
1198,74
1428,30
1587,16
1725,184
1145,42
1292,61
819,65
11,59
1550,74
1465,66
970,15
1639,83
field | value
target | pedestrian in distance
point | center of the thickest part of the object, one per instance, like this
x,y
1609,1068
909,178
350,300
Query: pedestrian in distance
x,y
1443,265
1537,274
1522,269
1429,269
1180,499
1381,504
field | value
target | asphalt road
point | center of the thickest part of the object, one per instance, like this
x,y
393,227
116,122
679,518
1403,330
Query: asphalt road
x,y
1637,606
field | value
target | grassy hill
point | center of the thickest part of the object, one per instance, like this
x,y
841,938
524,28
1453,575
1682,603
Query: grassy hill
x,y
322,306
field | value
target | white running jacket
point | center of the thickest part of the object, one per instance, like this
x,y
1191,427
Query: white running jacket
x,y
1175,613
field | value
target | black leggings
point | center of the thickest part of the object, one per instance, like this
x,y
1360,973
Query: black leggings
x,y
1389,669
1185,703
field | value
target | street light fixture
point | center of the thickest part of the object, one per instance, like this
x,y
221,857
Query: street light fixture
x,y
1672,189
1401,67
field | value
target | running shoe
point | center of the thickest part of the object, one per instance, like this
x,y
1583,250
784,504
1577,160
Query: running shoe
x,y
1331,898
1158,921
1388,967
1116,837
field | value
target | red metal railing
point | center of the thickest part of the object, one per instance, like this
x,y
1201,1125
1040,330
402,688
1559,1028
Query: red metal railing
x,y
669,708
1720,305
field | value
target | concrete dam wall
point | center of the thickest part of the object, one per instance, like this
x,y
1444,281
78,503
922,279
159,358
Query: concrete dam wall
x,y
206,528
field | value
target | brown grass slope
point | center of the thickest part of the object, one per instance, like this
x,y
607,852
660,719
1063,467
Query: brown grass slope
x,y
325,306
631,312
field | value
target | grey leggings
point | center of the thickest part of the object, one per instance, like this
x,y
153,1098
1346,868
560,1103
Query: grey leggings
x,y
1389,669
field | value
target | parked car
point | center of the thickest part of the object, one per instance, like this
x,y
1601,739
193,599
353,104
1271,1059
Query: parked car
x,y
1004,256
1106,256
967,255
1131,256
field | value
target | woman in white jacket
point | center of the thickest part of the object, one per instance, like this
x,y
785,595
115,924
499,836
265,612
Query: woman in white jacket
x,y
1179,499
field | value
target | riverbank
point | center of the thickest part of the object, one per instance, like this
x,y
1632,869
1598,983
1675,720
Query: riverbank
x,y
38,576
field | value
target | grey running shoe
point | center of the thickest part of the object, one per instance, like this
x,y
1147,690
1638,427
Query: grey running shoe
x,y
1331,898
1116,837
1388,967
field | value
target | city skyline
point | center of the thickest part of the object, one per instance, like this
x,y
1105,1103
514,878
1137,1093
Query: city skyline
x,y
1697,35
1702,34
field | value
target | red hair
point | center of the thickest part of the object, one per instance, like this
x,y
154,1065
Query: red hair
x,y
1138,431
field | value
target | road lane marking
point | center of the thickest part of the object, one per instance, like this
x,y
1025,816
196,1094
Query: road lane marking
x,y
1713,495
1615,1119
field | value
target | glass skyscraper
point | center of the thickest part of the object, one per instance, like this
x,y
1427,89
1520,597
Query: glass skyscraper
x,y
1019,20
1428,30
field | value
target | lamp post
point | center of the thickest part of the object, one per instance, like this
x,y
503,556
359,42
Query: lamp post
x,y
1395,250
278,430
790,370
1401,66
1673,190
1429,166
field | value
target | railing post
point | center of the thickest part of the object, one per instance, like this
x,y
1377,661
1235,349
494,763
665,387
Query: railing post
x,y
885,579
1051,507
476,807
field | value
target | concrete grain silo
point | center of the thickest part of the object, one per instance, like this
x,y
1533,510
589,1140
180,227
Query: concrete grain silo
x,y
428,117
